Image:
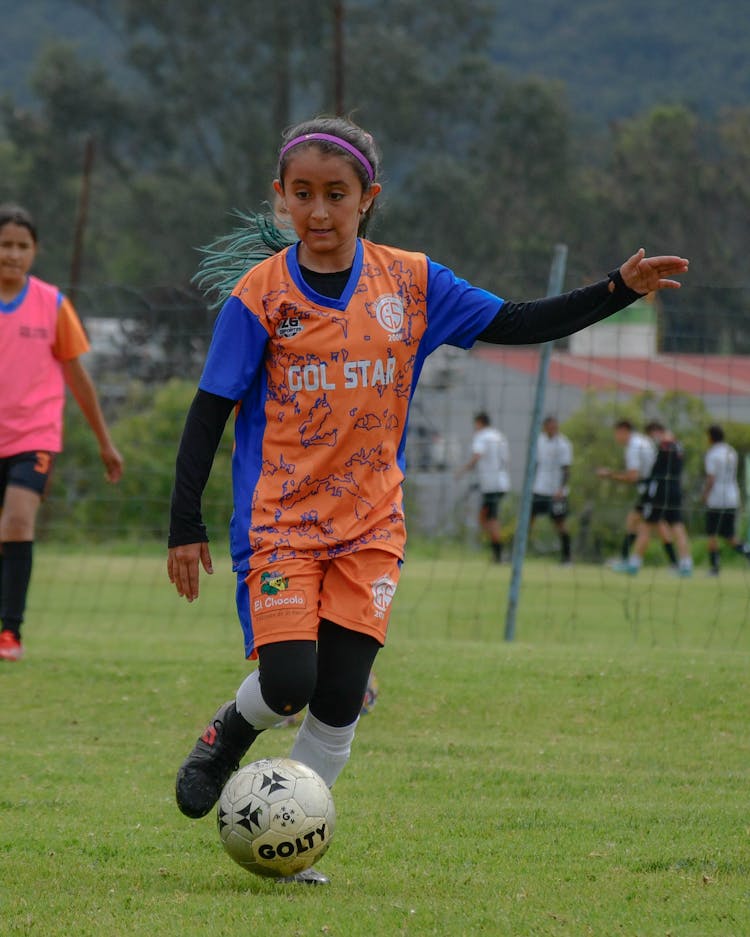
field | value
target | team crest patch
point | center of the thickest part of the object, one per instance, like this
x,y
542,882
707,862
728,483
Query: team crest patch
x,y
289,327
383,590
271,583
389,311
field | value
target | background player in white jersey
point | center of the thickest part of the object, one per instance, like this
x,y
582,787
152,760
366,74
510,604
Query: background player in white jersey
x,y
491,459
639,453
554,456
721,495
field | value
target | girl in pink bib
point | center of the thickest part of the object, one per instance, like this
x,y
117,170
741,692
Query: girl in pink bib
x,y
41,340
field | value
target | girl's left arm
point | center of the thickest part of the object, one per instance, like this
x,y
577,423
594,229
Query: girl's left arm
x,y
544,320
82,387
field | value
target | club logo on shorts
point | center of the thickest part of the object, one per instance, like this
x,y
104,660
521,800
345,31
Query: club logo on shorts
x,y
389,311
271,583
289,327
383,590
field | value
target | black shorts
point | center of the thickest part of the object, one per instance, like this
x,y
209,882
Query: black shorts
x,y
654,511
491,504
641,488
721,522
557,508
662,502
31,470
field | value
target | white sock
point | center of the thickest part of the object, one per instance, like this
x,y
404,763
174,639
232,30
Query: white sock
x,y
323,748
251,705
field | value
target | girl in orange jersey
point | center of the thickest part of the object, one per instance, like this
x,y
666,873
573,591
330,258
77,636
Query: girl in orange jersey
x,y
41,340
318,351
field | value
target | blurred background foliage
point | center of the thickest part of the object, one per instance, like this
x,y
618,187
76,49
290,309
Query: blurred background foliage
x,y
84,506
504,129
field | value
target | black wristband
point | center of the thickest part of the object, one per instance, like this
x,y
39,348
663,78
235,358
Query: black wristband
x,y
616,277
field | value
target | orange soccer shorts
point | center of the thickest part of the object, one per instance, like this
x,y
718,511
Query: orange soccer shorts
x,y
286,599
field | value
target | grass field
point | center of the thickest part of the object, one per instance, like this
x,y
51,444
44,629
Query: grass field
x,y
590,778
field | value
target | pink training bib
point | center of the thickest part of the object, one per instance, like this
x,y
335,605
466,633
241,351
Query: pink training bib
x,y
32,386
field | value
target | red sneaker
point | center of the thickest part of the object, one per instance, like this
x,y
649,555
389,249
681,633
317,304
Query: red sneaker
x,y
10,646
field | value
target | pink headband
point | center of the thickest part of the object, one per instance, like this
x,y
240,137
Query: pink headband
x,y
329,138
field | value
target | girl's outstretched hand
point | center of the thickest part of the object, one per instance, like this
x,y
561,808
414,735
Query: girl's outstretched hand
x,y
183,568
646,274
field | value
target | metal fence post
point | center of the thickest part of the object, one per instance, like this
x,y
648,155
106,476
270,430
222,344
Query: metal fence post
x,y
554,287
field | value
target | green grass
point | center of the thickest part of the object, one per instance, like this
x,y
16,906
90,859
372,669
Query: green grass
x,y
590,778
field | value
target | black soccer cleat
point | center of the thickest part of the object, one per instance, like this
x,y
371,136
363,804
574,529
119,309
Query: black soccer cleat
x,y
214,758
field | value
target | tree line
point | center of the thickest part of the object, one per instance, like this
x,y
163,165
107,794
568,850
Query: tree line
x,y
483,171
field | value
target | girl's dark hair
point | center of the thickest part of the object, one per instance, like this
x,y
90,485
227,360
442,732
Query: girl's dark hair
x,y
14,214
655,427
345,130
262,234
715,433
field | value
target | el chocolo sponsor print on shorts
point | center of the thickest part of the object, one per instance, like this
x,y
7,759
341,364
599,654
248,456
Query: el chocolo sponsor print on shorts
x,y
275,594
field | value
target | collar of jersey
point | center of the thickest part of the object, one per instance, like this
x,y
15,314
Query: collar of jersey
x,y
15,303
343,301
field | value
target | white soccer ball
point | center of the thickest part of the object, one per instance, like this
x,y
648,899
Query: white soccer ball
x,y
276,817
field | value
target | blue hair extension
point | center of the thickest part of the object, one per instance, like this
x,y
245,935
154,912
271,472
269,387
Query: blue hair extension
x,y
229,257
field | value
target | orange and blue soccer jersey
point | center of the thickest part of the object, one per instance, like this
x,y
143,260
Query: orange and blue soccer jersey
x,y
324,387
38,330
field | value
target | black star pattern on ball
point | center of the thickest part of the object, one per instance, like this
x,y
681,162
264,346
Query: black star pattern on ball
x,y
250,816
273,783
286,816
222,819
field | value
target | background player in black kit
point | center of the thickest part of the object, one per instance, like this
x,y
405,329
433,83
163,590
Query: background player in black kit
x,y
662,501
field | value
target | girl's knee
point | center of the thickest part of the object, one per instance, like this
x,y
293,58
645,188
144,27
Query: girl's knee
x,y
288,674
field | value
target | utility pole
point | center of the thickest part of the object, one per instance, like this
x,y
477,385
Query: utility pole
x,y
282,85
76,263
338,56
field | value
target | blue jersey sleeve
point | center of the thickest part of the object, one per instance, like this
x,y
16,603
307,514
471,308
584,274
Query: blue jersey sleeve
x,y
457,312
235,356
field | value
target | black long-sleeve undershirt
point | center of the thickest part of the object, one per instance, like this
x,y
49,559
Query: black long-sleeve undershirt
x,y
528,323
201,436
544,320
